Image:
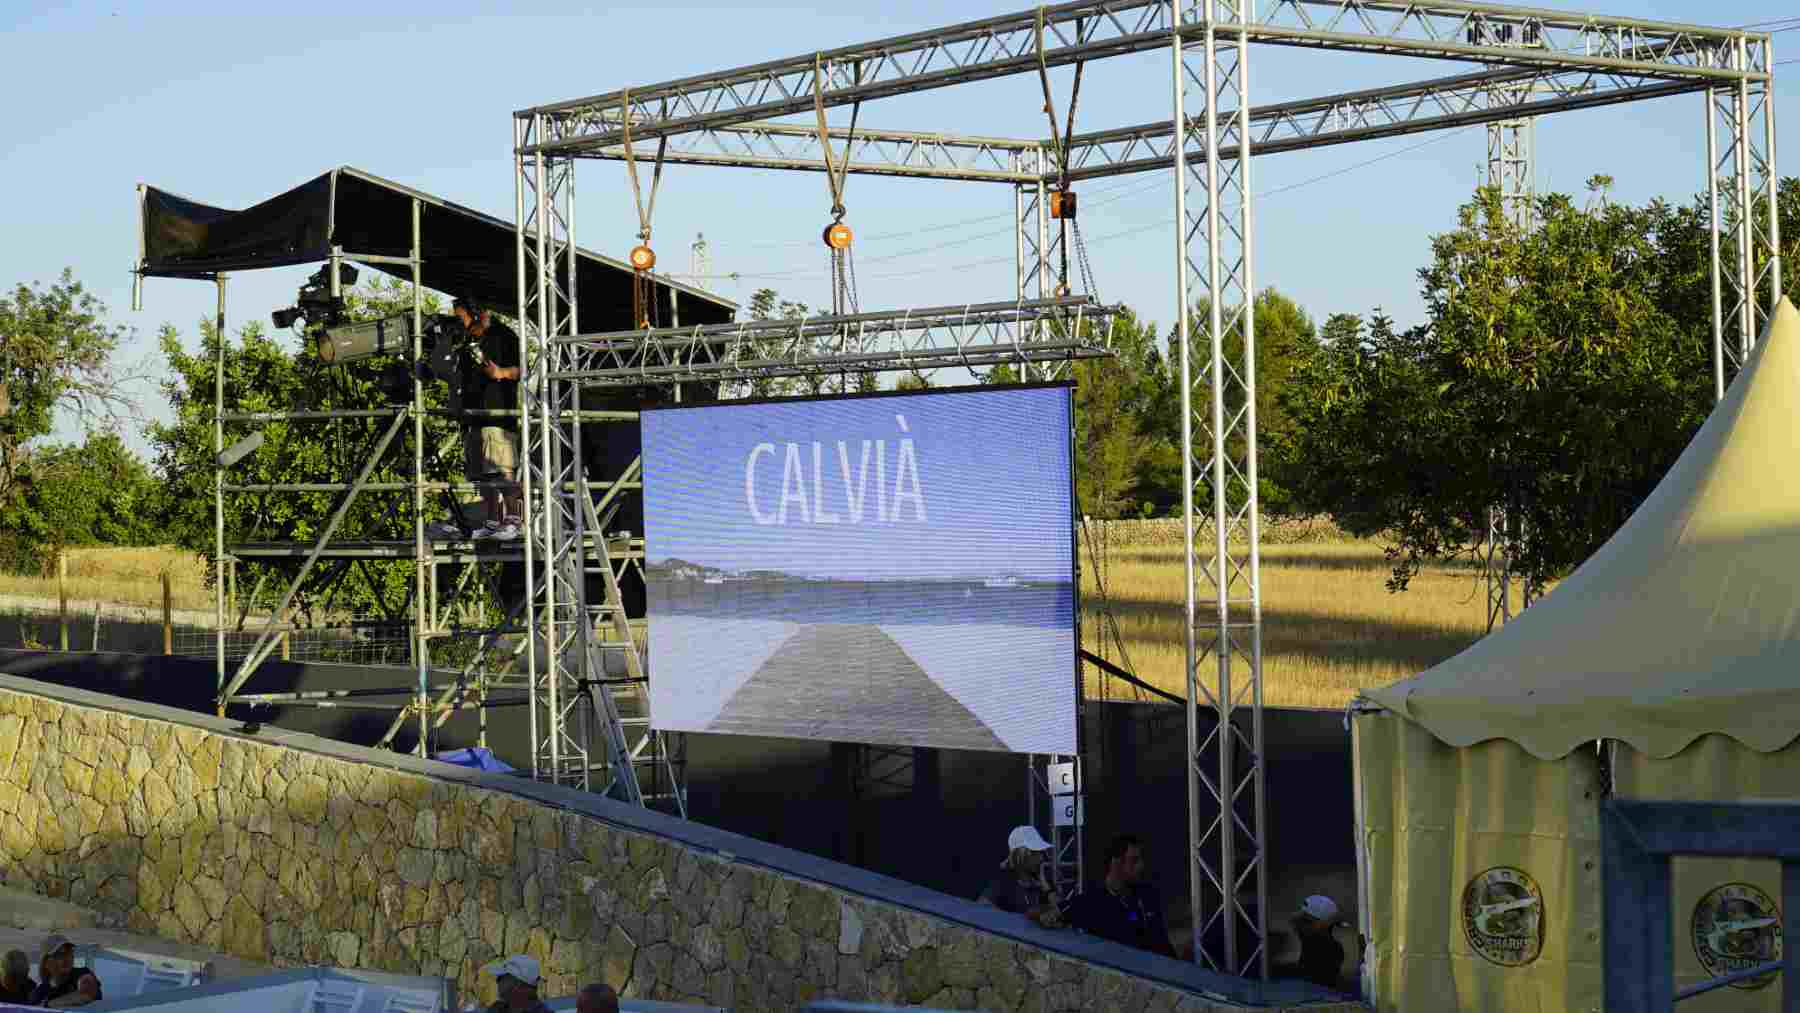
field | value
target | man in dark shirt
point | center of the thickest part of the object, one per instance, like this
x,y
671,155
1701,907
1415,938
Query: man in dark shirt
x,y
1020,887
1321,955
1123,908
490,383
64,984
16,985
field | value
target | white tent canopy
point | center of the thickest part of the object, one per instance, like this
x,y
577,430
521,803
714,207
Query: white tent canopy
x,y
1686,622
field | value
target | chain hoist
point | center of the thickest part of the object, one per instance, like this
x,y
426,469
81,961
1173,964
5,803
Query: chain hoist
x,y
642,258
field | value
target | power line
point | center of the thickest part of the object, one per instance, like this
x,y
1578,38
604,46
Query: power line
x,y
1164,223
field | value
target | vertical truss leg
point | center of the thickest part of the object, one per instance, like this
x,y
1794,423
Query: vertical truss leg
x,y
424,576
1746,233
1510,172
1044,795
544,187
1032,250
1224,608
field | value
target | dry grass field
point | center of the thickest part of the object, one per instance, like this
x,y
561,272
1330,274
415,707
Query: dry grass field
x,y
1330,626
123,576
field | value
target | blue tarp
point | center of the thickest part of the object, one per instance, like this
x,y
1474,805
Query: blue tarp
x,y
477,757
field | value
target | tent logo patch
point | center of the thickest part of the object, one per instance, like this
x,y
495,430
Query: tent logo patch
x,y
1503,916
1736,927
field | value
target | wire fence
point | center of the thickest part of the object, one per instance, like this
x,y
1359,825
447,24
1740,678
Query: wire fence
x,y
366,640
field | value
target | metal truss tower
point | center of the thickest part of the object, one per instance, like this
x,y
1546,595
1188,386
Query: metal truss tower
x,y
1215,292
585,667
1573,61
1740,184
1511,147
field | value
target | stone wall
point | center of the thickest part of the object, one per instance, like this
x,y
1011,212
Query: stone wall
x,y
174,825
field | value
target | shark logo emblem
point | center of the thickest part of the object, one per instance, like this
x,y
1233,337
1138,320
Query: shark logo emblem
x,y
1736,927
1503,916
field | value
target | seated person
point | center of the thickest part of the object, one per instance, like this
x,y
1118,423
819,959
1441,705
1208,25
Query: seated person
x,y
1021,888
1123,908
64,984
1321,955
16,986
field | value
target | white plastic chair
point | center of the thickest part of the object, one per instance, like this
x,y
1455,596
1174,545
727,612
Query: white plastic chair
x,y
410,1002
334,997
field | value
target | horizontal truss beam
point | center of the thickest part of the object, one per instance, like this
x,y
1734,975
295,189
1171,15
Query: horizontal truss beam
x,y
871,152
1095,29
1437,104
982,334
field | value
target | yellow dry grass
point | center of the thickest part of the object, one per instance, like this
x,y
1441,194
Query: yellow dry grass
x,y
1330,626
128,576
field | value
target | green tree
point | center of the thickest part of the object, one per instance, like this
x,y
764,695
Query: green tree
x,y
1553,380
1108,440
93,493
1285,339
56,355
282,373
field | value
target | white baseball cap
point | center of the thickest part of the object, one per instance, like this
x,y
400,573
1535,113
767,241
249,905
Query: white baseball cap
x,y
1025,837
519,966
1320,907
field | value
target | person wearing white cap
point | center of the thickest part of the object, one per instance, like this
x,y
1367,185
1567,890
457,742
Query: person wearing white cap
x,y
64,984
1321,955
1021,888
517,979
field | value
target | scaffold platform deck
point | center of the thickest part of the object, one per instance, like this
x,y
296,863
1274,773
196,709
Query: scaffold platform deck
x,y
461,550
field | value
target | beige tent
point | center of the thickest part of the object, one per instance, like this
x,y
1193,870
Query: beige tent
x,y
1677,645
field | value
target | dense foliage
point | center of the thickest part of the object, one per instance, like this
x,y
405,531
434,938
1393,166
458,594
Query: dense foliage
x,y
274,373
1559,374
56,355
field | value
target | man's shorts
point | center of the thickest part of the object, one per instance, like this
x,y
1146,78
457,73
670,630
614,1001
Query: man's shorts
x,y
490,451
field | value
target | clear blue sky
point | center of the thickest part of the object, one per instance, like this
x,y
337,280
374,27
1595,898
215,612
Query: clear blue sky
x,y
228,106
982,490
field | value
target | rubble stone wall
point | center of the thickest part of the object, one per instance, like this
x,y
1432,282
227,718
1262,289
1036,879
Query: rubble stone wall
x,y
186,830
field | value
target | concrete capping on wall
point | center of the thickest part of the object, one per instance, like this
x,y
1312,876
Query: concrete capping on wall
x,y
1062,966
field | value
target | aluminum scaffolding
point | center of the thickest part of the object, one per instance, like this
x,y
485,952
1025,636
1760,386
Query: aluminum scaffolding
x,y
459,619
1574,61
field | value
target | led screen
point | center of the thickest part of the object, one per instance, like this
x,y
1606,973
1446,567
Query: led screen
x,y
889,569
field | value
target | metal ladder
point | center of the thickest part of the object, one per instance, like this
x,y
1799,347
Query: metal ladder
x,y
622,704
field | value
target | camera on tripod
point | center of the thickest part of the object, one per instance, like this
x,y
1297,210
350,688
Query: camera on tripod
x,y
316,306
443,342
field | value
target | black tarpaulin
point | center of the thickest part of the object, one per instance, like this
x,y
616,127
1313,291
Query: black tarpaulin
x,y
465,253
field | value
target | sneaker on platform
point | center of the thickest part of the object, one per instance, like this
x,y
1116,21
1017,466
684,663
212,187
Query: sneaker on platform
x,y
506,531
444,531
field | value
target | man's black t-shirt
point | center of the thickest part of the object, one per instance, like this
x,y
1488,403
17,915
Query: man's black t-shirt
x,y
500,344
20,996
1135,919
48,991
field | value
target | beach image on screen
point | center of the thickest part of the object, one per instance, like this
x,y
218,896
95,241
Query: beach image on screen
x,y
893,570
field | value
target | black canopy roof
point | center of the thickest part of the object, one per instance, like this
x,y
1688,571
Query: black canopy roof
x,y
465,253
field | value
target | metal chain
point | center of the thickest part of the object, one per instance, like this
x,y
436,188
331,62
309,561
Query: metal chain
x,y
1081,259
